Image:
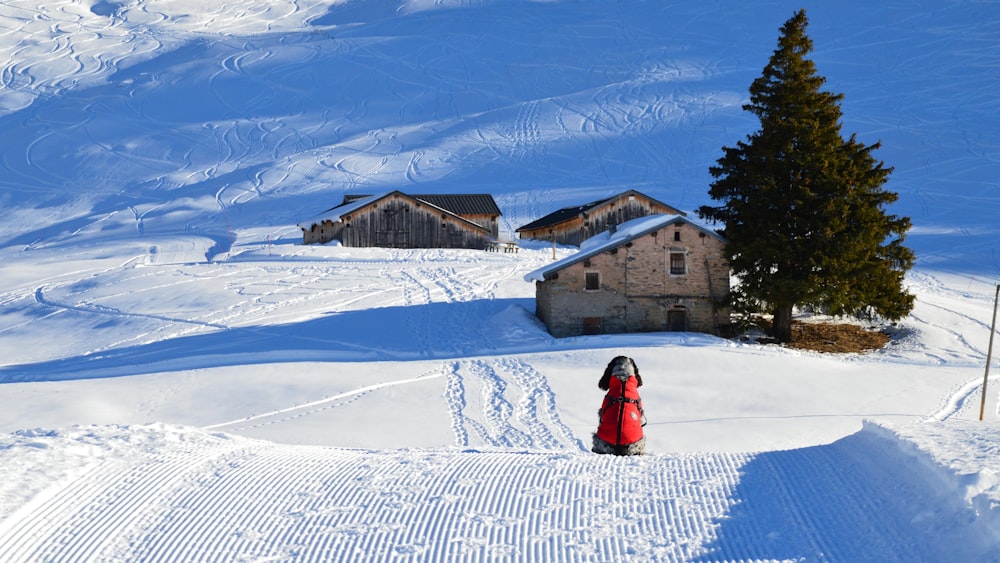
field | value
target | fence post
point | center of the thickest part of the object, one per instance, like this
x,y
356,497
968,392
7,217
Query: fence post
x,y
989,352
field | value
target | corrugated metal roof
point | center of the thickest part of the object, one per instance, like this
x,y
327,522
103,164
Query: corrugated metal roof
x,y
462,204
458,205
560,216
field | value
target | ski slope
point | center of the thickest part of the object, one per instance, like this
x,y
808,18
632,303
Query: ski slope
x,y
182,380
160,492
445,424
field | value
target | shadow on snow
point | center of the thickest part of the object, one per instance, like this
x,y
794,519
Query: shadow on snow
x,y
415,332
861,498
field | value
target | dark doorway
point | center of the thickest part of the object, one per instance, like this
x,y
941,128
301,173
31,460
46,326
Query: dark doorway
x,y
593,325
677,320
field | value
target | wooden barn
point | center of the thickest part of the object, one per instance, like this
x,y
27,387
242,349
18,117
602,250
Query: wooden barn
x,y
658,273
398,220
573,225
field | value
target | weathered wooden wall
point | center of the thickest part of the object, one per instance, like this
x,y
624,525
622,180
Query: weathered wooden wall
x,y
322,232
400,222
488,222
598,220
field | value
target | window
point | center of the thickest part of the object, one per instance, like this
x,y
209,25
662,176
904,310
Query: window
x,y
592,281
677,264
677,236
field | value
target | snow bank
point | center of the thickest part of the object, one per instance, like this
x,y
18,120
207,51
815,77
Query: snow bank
x,y
963,455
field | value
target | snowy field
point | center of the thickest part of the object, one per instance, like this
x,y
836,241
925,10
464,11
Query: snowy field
x,y
182,380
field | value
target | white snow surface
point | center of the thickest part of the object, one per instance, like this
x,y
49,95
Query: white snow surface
x,y
182,380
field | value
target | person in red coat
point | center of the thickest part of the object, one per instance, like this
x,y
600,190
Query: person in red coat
x,y
621,417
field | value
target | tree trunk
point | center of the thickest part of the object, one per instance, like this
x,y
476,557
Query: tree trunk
x,y
781,326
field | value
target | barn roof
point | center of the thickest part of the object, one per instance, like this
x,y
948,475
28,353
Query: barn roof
x,y
626,232
571,212
349,205
462,204
457,204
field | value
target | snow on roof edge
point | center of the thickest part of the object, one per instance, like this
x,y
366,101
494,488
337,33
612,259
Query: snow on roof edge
x,y
629,230
334,215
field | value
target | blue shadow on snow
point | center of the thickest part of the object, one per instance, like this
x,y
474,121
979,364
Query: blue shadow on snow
x,y
861,498
416,332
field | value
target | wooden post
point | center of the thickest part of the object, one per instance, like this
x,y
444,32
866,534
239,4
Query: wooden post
x,y
989,352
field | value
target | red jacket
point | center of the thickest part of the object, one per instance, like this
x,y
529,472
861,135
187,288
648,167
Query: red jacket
x,y
621,413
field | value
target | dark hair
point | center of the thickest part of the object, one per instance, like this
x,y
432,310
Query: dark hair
x,y
605,383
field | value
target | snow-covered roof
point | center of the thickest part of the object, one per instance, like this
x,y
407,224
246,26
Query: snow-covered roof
x,y
627,231
334,215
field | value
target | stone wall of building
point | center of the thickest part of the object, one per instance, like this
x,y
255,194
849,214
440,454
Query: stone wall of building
x,y
633,289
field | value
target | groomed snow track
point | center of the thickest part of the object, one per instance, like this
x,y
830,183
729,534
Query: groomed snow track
x,y
180,494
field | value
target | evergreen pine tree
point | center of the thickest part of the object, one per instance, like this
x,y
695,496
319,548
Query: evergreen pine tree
x,y
802,208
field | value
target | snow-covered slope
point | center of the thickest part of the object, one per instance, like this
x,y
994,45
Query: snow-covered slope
x,y
166,117
180,379
158,492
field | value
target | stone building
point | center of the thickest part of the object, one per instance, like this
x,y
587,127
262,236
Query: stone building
x,y
657,273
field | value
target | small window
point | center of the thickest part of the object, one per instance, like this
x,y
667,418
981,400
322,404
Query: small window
x,y
677,264
592,281
677,236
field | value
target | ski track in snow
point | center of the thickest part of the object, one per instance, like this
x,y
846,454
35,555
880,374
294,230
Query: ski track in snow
x,y
247,299
519,485
505,403
210,497
311,407
963,397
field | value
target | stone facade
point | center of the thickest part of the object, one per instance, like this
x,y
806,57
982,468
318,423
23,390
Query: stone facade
x,y
673,278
